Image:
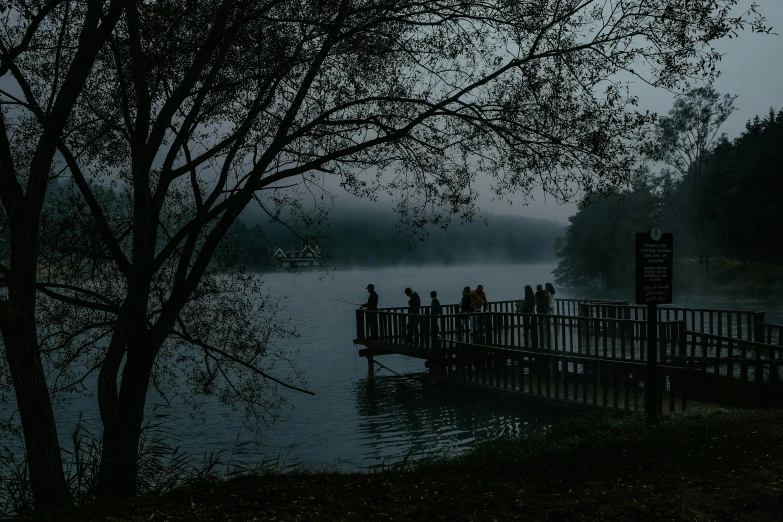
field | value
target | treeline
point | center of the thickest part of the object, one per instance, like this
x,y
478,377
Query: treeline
x,y
725,207
372,237
351,236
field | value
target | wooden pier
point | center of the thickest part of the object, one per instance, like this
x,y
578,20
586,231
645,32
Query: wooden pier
x,y
589,354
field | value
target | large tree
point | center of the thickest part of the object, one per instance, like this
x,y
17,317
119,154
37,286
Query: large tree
x,y
685,141
598,245
745,180
47,51
194,110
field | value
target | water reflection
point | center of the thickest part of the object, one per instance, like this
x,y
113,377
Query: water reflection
x,y
400,415
352,418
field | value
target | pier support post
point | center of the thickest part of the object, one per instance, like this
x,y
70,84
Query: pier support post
x,y
651,378
370,364
758,328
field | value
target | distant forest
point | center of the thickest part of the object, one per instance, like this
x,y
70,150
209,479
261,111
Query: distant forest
x,y
727,211
370,237
365,236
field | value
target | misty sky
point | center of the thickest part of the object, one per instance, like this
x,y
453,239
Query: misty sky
x,y
751,68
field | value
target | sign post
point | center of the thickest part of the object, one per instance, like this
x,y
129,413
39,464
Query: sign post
x,y
654,262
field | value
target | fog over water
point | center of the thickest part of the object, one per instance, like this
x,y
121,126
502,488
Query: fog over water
x,y
353,421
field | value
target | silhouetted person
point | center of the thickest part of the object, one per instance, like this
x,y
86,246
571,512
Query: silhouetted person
x,y
480,298
550,291
542,300
480,303
372,319
414,307
436,310
528,307
529,303
435,307
466,307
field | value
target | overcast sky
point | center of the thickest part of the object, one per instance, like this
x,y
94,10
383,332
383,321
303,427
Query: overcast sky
x,y
751,68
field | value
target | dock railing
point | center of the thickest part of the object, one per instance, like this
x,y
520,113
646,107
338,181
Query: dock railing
x,y
740,324
599,347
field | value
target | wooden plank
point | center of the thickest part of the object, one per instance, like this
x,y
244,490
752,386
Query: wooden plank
x,y
484,369
513,373
635,391
547,362
538,365
584,383
615,385
504,366
730,321
701,322
626,388
719,391
703,372
758,371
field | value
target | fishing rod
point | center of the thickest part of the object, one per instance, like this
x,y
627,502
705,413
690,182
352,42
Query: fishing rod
x,y
346,302
395,373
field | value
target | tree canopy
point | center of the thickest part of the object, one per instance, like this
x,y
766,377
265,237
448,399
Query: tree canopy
x,y
740,186
189,111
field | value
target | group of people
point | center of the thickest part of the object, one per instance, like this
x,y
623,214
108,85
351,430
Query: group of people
x,y
473,302
542,302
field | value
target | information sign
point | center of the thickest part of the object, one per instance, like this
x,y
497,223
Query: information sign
x,y
654,261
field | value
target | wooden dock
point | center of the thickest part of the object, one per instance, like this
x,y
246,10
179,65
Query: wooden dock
x,y
589,354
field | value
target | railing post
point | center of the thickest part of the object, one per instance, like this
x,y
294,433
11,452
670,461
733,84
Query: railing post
x,y
758,328
652,402
664,340
682,338
584,312
434,341
360,324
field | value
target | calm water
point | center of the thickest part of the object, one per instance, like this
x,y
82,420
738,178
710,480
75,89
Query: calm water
x,y
354,420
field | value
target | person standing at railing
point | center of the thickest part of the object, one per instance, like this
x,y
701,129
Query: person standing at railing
x,y
542,300
480,303
372,318
414,308
529,303
466,307
543,308
550,291
528,307
436,310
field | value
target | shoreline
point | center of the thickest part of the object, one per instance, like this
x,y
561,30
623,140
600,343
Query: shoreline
x,y
718,464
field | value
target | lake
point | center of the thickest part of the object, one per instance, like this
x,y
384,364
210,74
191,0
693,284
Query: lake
x,y
354,421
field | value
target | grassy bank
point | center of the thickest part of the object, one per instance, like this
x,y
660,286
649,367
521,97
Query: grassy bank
x,y
763,281
718,465
758,280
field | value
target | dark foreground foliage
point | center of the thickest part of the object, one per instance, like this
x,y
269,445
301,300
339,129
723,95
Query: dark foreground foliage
x,y
716,465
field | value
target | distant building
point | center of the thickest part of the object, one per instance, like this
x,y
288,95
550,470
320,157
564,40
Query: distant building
x,y
297,256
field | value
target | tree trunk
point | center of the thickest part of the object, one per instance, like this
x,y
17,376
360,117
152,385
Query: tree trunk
x,y
44,461
118,475
17,323
119,469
